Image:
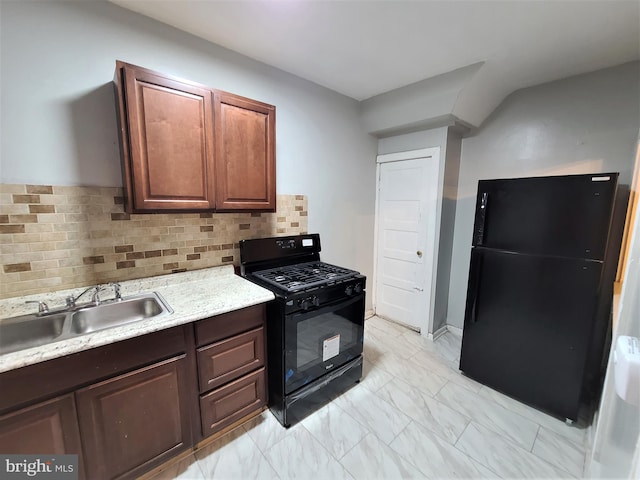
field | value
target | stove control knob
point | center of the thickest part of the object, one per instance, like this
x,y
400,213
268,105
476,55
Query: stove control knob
x,y
358,287
349,290
308,302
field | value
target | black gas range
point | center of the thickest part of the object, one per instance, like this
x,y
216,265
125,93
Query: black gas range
x,y
315,325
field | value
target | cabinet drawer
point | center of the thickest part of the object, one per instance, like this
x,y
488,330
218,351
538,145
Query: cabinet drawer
x,y
230,403
231,358
229,324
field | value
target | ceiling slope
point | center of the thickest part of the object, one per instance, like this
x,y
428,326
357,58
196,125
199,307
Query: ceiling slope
x,y
366,48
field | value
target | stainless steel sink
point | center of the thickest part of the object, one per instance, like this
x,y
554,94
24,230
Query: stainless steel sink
x,y
109,315
29,331
26,331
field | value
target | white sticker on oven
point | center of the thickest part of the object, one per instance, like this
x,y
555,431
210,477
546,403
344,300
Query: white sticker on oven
x,y
330,347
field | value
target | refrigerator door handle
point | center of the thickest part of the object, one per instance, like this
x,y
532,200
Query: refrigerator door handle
x,y
482,217
471,311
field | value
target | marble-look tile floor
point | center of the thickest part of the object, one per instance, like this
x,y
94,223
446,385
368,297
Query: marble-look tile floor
x,y
413,415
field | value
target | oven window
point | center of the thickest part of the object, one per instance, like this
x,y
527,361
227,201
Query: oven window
x,y
320,340
323,337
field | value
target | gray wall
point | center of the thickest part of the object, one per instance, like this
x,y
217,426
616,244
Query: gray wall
x,y
583,124
59,125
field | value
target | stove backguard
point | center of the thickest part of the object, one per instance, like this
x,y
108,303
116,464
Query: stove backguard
x,y
263,253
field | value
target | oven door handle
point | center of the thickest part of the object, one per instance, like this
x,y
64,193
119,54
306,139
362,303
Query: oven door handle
x,y
322,381
327,308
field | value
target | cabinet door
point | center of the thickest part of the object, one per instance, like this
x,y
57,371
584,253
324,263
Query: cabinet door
x,y
49,427
170,142
136,421
245,154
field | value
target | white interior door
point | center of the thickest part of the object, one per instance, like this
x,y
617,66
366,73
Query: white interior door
x,y
407,190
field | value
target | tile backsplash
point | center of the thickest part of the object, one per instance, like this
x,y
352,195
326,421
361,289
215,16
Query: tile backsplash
x,y
54,238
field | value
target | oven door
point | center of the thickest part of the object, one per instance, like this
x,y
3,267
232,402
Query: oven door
x,y
321,340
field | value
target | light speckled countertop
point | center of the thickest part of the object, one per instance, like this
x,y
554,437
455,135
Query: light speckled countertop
x,y
192,296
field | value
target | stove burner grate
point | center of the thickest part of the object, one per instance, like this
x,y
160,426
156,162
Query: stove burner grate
x,y
303,275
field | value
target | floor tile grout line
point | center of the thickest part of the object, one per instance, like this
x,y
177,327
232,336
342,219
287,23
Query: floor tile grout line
x,y
518,447
462,432
520,404
427,427
490,425
364,427
287,433
553,465
465,429
324,448
369,432
473,459
226,439
399,454
354,418
433,374
465,454
264,455
438,392
394,408
535,439
301,426
198,464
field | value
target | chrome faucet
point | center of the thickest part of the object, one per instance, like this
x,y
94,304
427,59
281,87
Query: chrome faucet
x,y
71,300
42,306
116,292
95,297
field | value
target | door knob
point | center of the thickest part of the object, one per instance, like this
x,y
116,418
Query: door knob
x,y
419,253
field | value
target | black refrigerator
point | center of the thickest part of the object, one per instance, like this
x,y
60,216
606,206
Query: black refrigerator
x,y
543,262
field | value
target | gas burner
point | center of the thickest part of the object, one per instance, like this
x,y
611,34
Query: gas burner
x,y
304,275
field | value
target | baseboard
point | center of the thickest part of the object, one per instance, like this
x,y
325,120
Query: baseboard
x,y
438,333
455,330
368,314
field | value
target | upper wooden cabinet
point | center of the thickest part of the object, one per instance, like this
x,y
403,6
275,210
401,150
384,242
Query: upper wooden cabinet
x,y
245,154
188,147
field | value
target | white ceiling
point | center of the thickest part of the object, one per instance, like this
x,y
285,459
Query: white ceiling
x,y
364,48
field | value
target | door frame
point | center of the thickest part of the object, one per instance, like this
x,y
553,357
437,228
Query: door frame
x,y
433,234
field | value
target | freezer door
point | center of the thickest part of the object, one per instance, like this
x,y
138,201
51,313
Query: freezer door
x,y
528,326
563,216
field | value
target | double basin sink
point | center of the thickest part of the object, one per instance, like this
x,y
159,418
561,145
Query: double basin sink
x,y
37,329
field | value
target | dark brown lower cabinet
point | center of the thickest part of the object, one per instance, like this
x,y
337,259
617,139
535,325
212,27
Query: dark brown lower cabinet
x,y
231,364
130,406
50,427
135,421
